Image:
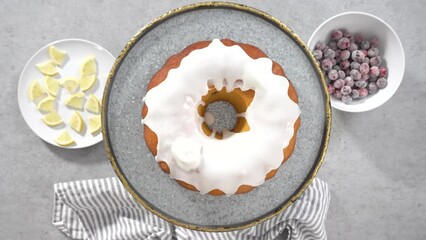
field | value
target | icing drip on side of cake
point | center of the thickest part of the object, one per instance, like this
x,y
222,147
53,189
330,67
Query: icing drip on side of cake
x,y
239,158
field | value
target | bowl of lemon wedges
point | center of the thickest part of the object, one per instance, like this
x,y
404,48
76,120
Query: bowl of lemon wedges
x,y
60,90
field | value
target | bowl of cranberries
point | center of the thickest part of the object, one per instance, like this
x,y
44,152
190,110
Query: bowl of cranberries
x,y
362,60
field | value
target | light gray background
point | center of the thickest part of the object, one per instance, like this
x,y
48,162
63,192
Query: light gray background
x,y
376,161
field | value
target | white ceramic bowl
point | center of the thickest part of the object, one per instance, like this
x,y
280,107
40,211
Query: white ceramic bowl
x,y
390,48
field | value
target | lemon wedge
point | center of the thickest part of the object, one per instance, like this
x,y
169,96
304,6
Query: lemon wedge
x,y
92,104
94,124
75,101
88,66
87,82
47,104
52,85
64,139
57,55
47,68
70,84
52,119
35,90
76,122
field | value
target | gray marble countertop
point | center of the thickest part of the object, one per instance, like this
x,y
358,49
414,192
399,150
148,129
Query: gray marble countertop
x,y
376,161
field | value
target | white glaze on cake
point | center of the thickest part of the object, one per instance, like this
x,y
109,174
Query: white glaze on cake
x,y
239,158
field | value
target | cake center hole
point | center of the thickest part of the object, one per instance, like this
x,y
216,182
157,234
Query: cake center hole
x,y
220,116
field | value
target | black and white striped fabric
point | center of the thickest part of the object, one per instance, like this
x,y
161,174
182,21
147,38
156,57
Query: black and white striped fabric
x,y
102,209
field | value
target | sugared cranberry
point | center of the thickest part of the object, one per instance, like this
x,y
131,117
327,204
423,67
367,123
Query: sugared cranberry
x,y
347,99
355,74
343,43
364,68
358,56
372,88
336,35
333,75
346,90
349,81
363,92
339,83
320,45
326,64
381,82
374,71
375,61
383,72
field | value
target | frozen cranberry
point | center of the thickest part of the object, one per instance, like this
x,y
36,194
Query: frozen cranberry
x,y
355,65
372,88
349,81
332,45
352,47
366,60
333,61
336,35
374,42
346,99
346,33
352,39
365,44
341,73
330,88
333,75
372,52
355,93
320,45
337,94
361,84
359,38
365,77
326,64
355,74
365,52
374,71
337,67
372,79
364,68
329,53
346,90
363,92
375,61
344,64
345,55
318,54
339,83
348,72
383,71
381,82
358,56
343,43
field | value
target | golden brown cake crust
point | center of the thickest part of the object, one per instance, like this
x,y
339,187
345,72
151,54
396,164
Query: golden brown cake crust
x,y
151,139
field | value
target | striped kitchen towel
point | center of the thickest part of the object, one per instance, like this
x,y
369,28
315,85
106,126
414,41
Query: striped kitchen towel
x,y
102,209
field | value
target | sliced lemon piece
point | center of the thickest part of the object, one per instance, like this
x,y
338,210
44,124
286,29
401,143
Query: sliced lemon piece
x,y
57,55
35,90
52,85
94,124
87,82
70,84
64,139
92,104
75,101
52,119
47,68
76,122
88,66
47,104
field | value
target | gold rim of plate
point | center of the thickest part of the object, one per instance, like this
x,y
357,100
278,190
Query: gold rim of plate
x,y
239,7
